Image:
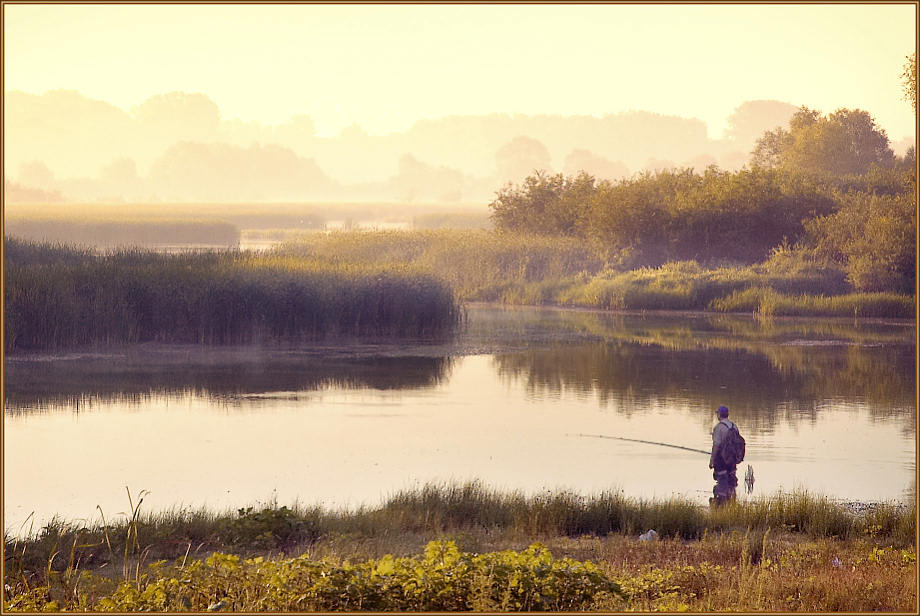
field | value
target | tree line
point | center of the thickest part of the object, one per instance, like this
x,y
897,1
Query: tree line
x,y
829,189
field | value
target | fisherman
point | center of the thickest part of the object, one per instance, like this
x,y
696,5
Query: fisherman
x,y
723,471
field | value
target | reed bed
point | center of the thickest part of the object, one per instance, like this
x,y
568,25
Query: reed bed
x,y
134,296
768,302
522,269
481,265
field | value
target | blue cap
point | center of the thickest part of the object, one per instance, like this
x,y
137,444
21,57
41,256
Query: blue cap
x,y
723,411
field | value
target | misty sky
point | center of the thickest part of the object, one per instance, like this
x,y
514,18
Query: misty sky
x,y
385,67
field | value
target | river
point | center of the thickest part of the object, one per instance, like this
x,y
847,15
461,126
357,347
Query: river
x,y
826,405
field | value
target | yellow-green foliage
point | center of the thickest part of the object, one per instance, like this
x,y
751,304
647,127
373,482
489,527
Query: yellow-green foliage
x,y
479,264
786,552
74,299
533,270
736,572
768,302
442,579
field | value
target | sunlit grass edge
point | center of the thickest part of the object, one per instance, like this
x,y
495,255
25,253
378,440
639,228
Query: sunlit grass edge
x,y
785,551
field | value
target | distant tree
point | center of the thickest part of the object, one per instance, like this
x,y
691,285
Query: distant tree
x,y
845,142
593,164
222,172
701,162
178,115
520,157
544,204
654,165
416,180
16,193
122,170
769,148
36,174
909,81
750,119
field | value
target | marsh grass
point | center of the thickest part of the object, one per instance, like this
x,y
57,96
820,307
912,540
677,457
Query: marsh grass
x,y
768,302
484,265
435,509
59,298
479,264
785,552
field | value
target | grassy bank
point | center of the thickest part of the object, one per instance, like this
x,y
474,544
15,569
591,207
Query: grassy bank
x,y
538,270
786,552
479,264
59,298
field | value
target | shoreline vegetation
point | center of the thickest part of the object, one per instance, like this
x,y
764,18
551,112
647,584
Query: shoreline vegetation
x,y
465,546
62,297
380,283
523,269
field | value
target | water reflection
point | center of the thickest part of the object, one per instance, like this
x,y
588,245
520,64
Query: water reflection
x,y
75,384
823,405
764,371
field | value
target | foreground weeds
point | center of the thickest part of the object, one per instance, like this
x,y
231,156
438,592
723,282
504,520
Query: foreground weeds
x,y
465,547
727,571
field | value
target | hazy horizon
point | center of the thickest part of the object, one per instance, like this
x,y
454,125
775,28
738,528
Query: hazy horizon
x,y
421,103
385,67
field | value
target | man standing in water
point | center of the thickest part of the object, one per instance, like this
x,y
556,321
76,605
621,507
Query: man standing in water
x,y
724,458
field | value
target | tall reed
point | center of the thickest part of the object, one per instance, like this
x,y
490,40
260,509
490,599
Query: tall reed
x,y
136,296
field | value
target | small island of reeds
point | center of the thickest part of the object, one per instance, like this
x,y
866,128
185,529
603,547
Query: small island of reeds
x,y
64,297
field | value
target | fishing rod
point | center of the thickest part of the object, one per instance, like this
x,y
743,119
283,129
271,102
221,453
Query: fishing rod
x,y
635,440
748,476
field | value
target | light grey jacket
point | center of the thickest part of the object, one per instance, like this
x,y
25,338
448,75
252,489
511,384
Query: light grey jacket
x,y
719,433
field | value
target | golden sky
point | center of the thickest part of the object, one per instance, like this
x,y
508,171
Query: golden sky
x,y
387,66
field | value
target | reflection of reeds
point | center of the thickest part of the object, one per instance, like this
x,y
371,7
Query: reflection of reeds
x,y
127,380
215,298
795,360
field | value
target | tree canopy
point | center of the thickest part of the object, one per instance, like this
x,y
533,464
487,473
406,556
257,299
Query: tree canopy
x,y
844,142
829,187
909,81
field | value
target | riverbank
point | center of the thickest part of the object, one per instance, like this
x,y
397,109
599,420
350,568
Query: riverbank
x,y
792,552
535,270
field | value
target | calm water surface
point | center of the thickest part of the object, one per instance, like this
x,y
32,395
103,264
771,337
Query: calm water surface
x,y
825,405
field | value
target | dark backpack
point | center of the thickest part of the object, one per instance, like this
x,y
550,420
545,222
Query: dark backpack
x,y
732,449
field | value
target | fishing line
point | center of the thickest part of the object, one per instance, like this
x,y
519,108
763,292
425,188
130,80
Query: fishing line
x,y
635,440
748,477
